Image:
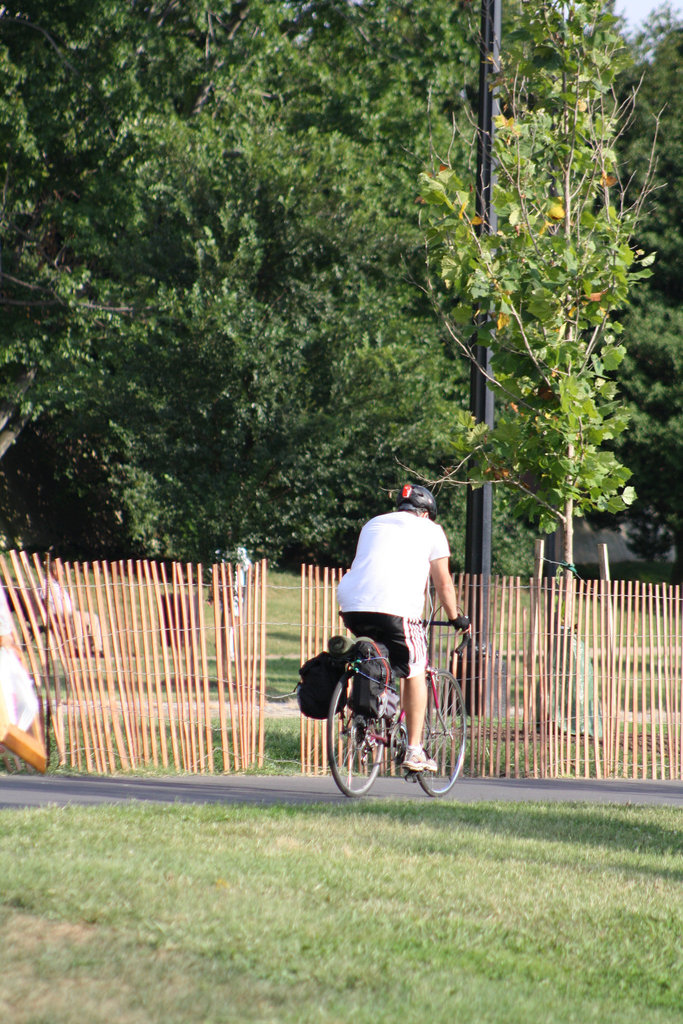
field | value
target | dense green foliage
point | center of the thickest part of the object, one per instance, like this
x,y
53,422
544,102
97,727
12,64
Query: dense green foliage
x,y
651,376
212,332
209,240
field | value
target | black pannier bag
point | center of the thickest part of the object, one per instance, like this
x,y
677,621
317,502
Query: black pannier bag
x,y
373,693
318,678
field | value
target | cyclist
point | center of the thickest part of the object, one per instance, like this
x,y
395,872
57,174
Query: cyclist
x,y
382,597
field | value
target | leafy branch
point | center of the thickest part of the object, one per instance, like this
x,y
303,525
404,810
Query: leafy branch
x,y
548,286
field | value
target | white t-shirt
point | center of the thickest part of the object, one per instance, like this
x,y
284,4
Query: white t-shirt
x,y
390,571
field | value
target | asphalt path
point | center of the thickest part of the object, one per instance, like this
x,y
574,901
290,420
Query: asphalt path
x,y
19,791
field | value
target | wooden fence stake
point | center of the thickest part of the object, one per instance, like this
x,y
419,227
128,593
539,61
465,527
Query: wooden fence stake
x,y
232,692
204,668
219,616
151,637
95,695
262,664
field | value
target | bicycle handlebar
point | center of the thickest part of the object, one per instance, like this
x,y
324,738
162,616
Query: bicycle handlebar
x,y
465,642
442,622
467,635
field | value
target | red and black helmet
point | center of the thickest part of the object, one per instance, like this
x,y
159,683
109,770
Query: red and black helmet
x,y
413,497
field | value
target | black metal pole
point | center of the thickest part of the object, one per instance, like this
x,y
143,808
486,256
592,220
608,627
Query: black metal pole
x,y
480,501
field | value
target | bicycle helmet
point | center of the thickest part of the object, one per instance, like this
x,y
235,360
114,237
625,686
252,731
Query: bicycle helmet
x,y
414,498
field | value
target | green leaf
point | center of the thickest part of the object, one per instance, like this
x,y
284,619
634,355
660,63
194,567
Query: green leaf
x,y
613,356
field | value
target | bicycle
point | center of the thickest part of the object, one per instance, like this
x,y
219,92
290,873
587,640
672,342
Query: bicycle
x,y
356,745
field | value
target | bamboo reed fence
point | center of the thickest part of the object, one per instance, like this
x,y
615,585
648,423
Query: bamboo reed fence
x,y
141,663
165,665
319,621
563,677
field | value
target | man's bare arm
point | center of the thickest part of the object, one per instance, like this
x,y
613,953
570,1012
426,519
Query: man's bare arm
x,y
443,583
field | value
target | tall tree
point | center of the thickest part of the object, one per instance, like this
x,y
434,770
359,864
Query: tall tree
x,y
225,342
551,279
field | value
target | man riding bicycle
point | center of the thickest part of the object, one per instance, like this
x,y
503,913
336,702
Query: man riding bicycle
x,y
382,597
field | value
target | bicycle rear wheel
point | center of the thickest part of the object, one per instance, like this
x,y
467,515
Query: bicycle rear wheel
x,y
355,746
445,733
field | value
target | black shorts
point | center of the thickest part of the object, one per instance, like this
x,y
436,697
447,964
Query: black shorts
x,y
406,639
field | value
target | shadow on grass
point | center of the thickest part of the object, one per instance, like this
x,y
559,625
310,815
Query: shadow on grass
x,y
631,828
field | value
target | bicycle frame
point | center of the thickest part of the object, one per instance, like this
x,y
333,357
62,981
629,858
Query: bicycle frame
x,y
431,680
357,744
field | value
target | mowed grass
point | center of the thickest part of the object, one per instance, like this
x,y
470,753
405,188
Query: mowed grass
x,y
364,912
284,614
284,634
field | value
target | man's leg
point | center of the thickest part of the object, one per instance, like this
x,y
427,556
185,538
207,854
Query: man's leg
x,y
415,706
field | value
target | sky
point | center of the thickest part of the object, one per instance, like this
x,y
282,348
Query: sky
x,y
635,11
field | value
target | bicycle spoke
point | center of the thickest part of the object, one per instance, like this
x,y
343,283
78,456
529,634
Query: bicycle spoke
x,y
354,746
445,733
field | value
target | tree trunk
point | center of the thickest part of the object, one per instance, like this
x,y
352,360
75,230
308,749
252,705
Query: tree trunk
x,y
11,433
568,532
12,420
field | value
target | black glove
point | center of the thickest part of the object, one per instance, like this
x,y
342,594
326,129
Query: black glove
x,y
462,622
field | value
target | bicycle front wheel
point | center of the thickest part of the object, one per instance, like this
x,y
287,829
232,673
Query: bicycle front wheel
x,y
355,746
445,733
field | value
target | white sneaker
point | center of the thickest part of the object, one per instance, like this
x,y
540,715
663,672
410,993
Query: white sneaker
x,y
417,761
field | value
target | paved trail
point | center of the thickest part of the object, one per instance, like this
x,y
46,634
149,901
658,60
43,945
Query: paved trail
x,y
62,790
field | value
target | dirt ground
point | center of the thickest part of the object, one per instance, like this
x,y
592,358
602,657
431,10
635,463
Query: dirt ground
x,y
282,708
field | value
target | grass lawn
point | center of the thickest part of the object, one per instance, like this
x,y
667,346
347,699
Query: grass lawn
x,y
284,613
284,633
363,912
282,676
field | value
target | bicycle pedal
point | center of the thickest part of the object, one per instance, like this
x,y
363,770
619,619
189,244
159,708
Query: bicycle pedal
x,y
410,776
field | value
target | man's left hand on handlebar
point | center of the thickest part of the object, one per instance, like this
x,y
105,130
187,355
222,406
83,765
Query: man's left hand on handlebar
x,y
461,622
